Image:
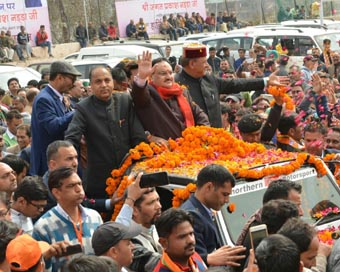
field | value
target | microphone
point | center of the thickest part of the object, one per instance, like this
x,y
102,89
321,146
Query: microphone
x,y
336,235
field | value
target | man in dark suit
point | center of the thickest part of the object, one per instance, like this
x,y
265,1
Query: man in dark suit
x,y
110,127
214,185
50,115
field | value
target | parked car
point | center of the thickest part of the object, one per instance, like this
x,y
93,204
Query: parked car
x,y
40,66
298,41
112,51
159,45
24,74
85,66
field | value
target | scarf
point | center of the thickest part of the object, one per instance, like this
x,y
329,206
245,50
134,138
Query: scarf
x,y
285,139
327,57
176,90
173,267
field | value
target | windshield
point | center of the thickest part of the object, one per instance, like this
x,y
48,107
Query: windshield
x,y
247,197
334,37
24,76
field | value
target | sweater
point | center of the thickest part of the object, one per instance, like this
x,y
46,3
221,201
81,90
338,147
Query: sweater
x,y
54,227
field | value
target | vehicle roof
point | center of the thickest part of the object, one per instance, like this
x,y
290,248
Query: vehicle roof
x,y
198,36
112,62
272,31
131,50
315,23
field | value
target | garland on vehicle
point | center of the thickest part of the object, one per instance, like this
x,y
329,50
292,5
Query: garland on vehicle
x,y
198,147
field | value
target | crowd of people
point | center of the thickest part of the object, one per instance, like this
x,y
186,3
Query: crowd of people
x,y
61,139
9,46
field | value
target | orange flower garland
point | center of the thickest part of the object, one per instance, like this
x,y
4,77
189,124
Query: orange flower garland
x,y
180,195
281,91
200,146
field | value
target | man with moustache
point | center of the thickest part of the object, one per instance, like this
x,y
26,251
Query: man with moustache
x,y
69,221
176,235
50,116
110,127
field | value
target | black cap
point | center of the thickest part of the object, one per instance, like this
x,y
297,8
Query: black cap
x,y
63,67
109,234
250,123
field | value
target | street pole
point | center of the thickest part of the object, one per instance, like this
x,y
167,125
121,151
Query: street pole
x,y
86,25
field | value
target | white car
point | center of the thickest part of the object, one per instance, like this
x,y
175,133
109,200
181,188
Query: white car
x,y
113,51
24,74
85,66
315,23
298,41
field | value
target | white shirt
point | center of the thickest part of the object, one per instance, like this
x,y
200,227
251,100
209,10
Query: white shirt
x,y
24,222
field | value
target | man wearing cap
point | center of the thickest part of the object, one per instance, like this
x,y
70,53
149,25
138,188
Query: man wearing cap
x,y
253,130
114,240
307,70
24,253
50,115
205,89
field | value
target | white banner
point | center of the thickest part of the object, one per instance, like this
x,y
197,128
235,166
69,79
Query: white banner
x,y
29,13
152,12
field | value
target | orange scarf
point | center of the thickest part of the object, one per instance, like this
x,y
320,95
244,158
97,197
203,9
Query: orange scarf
x,y
176,90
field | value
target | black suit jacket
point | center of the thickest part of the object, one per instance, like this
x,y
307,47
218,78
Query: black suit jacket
x,y
205,229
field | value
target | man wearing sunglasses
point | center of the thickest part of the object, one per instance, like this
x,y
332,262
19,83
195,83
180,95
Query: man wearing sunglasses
x,y
50,115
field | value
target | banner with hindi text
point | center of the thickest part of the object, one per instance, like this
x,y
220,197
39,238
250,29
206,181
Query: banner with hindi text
x,y
29,13
152,12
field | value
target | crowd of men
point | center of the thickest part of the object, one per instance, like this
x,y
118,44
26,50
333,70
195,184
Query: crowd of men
x,y
61,141
8,44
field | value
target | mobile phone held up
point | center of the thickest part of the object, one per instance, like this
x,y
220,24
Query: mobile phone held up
x,y
257,233
154,179
70,250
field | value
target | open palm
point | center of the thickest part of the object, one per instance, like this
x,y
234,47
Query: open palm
x,y
145,65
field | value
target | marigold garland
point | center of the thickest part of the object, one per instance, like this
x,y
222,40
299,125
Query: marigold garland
x,y
325,235
281,91
200,146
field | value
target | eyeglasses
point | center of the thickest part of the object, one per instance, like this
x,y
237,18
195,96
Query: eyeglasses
x,y
38,206
73,78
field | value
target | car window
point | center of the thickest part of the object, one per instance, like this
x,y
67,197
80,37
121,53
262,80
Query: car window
x,y
334,37
303,45
96,56
248,196
82,70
